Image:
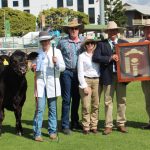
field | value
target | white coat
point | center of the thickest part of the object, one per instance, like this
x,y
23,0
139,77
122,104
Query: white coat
x,y
46,80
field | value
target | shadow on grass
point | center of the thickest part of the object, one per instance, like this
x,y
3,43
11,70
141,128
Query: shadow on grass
x,y
132,124
28,132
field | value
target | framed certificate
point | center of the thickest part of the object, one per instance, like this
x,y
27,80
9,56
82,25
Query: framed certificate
x,y
134,61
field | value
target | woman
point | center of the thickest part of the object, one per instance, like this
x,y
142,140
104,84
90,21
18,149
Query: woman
x,y
45,86
88,74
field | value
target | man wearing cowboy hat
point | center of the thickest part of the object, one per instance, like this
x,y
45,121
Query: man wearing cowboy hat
x,y
146,84
105,55
70,47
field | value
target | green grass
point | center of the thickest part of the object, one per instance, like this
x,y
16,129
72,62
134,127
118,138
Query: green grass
x,y
135,139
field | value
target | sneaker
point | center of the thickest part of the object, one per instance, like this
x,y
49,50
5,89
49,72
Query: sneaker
x,y
66,131
53,136
39,139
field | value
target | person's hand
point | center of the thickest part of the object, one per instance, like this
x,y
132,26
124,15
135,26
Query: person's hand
x,y
115,57
86,90
33,67
54,59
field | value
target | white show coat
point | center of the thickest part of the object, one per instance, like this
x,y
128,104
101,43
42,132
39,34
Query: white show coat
x,y
45,73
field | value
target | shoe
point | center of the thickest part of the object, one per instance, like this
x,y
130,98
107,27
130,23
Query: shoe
x,y
147,127
122,129
76,126
53,136
66,131
86,132
39,139
94,131
107,131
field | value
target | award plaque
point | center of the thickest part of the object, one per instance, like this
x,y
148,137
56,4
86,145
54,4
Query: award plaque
x,y
134,61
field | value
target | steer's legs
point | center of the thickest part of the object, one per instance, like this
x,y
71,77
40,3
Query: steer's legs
x,y
1,119
18,113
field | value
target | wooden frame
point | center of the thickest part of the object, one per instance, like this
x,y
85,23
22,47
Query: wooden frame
x,y
134,61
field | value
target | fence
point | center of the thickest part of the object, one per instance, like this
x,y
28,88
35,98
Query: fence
x,y
18,42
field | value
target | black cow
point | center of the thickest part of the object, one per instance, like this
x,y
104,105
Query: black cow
x,y
13,86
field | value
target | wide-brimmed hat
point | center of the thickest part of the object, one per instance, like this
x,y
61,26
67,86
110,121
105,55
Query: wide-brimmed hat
x,y
88,39
112,25
73,23
147,23
43,36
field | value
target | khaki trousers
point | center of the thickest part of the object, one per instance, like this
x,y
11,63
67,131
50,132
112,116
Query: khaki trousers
x,y
146,90
90,105
109,90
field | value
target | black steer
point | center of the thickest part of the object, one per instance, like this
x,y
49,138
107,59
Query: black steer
x,y
13,86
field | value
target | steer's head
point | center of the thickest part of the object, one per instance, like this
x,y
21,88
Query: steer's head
x,y
19,61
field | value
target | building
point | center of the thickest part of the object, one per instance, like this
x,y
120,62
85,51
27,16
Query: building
x,y
136,14
90,7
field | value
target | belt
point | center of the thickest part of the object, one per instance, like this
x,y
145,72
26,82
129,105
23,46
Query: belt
x,y
71,69
91,77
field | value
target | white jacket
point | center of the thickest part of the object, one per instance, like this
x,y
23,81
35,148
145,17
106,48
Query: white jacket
x,y
47,80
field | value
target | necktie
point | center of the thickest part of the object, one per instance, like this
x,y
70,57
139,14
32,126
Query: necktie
x,y
114,64
113,43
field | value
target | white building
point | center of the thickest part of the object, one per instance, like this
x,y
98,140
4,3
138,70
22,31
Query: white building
x,y
90,7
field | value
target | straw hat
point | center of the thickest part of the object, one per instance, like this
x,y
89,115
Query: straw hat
x,y
90,38
147,23
73,23
43,36
113,26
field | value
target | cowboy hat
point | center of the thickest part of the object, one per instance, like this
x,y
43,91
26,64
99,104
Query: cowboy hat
x,y
73,23
113,26
44,36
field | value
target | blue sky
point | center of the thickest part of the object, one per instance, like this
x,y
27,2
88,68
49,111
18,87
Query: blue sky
x,y
142,2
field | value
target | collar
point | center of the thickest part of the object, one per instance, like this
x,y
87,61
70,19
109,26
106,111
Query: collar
x,y
79,40
110,41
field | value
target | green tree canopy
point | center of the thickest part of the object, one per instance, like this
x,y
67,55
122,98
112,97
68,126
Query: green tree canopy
x,y
20,22
115,12
55,17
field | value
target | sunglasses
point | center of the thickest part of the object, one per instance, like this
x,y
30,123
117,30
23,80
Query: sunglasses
x,y
74,28
90,43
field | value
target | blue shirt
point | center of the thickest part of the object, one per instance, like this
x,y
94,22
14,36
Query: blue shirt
x,y
70,51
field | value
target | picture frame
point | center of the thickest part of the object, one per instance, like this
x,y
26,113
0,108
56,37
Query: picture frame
x,y
134,61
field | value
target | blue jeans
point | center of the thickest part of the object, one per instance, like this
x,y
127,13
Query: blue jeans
x,y
38,117
69,89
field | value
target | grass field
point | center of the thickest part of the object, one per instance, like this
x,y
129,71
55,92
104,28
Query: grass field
x,y
136,139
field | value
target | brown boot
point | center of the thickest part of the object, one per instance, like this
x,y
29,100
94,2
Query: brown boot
x,y
94,131
122,129
39,139
107,131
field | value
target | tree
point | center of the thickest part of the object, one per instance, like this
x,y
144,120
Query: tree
x,y
55,17
20,22
115,12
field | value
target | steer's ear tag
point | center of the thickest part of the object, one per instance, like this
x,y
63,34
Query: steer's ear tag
x,y
5,62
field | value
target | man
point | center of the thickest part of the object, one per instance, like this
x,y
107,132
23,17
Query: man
x,y
70,48
105,55
146,84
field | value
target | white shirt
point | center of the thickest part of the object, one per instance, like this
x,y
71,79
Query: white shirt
x,y
45,78
86,68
